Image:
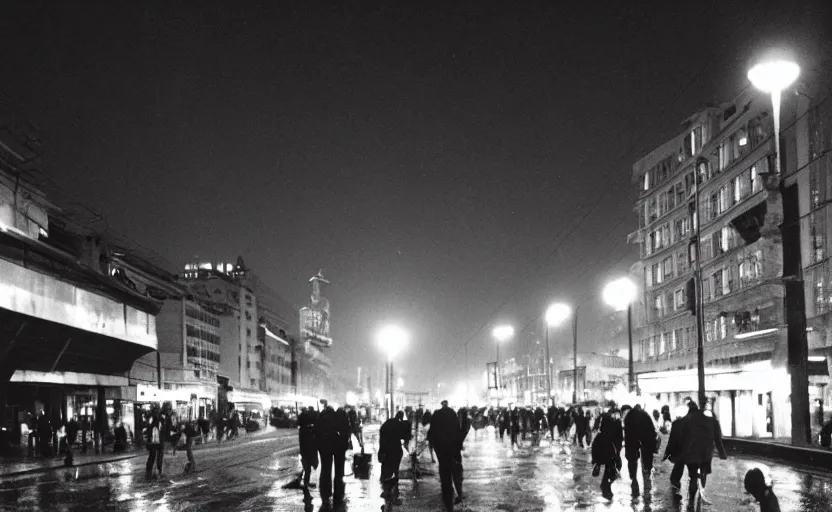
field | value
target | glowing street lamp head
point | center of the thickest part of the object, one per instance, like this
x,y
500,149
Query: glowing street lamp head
x,y
773,75
620,293
392,339
503,333
557,313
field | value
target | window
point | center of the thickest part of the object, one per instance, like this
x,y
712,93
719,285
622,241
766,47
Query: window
x,y
722,327
248,332
698,139
646,181
714,206
681,263
727,282
651,347
680,193
742,141
717,283
671,199
724,155
677,339
662,343
254,383
657,305
679,299
668,267
657,273
706,290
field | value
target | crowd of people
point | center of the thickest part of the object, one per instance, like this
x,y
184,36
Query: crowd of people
x,y
690,437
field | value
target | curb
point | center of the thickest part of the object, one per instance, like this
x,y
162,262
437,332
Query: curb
x,y
139,453
817,458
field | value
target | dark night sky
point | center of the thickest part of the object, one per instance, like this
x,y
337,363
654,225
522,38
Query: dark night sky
x,y
428,158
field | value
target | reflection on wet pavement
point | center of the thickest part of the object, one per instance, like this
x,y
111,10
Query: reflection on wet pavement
x,y
257,476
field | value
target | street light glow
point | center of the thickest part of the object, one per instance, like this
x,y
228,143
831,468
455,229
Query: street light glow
x,y
503,332
557,313
773,75
620,293
392,339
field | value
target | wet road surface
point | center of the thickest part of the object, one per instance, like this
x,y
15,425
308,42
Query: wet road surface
x,y
254,476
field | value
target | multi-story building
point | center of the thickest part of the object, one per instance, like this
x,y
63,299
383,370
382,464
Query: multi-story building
x,y
241,367
599,377
729,151
808,168
277,355
71,322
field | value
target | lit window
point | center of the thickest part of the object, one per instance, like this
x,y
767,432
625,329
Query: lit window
x,y
743,141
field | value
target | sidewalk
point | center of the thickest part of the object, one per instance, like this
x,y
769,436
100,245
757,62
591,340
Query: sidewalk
x,y
22,465
781,450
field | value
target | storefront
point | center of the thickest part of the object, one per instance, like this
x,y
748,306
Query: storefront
x,y
252,404
749,402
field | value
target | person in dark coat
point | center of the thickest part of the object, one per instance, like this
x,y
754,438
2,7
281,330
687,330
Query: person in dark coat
x,y
758,486
608,442
675,449
464,423
72,428
426,423
639,443
391,435
564,422
120,438
332,435
552,418
702,434
447,441
581,427
306,441
44,435
514,415
154,440
503,422
356,429
605,449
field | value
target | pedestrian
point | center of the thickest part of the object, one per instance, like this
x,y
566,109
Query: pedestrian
x,y
308,446
581,427
447,441
172,429
391,436
606,450
356,428
154,439
639,443
119,438
758,486
551,418
426,424
204,428
332,436
514,414
674,449
564,423
44,434
464,424
71,437
405,428
702,434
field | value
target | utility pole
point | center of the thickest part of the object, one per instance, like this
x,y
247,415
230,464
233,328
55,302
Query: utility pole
x,y
697,277
575,356
547,369
631,372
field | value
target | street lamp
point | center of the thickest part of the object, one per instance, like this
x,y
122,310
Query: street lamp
x,y
774,76
501,333
620,295
392,339
555,315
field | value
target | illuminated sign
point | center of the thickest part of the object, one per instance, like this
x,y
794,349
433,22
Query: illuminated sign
x,y
314,327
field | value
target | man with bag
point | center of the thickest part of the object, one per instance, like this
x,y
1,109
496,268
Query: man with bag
x,y
606,449
332,435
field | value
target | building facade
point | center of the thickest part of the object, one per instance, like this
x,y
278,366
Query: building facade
x,y
728,152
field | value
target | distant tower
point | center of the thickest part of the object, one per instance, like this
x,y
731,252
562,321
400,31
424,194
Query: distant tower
x,y
314,319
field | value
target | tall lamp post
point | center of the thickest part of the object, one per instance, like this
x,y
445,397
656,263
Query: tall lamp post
x,y
392,339
620,295
555,315
773,77
501,333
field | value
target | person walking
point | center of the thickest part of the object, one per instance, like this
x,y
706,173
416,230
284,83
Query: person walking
x,y
154,440
356,429
581,427
552,418
72,428
702,434
332,436
675,448
308,446
639,443
464,424
606,449
391,436
447,441
514,415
